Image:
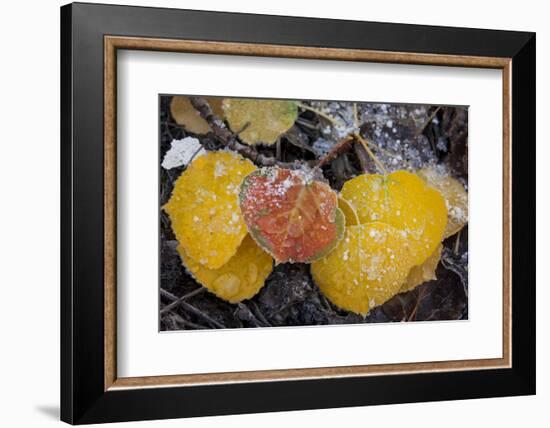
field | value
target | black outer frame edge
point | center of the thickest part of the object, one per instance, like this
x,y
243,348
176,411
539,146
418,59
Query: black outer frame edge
x,y
66,316
82,397
523,216
141,21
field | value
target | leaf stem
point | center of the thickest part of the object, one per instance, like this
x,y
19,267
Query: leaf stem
x,y
457,243
390,154
365,145
430,118
324,115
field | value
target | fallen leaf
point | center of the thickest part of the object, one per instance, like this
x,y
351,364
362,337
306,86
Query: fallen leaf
x,y
204,210
350,214
182,152
292,216
404,201
259,121
441,299
366,269
238,279
424,272
185,114
456,198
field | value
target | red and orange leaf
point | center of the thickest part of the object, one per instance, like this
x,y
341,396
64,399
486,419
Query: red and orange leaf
x,y
292,216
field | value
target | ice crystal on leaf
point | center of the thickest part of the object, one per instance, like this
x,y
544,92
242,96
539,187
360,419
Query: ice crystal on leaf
x,y
404,201
291,215
395,226
366,269
204,208
238,279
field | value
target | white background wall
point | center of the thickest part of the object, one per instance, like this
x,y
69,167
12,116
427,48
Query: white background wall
x,y
29,230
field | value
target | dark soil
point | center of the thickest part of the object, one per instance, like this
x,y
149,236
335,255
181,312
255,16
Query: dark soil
x,y
414,136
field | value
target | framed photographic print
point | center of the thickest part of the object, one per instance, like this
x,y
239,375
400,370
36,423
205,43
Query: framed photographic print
x,y
265,213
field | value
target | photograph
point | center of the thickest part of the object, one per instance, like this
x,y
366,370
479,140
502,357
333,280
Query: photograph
x,y
286,212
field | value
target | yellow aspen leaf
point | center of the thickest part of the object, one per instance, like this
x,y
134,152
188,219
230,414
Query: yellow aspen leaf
x,y
366,269
402,200
240,278
204,208
185,114
456,198
259,121
424,272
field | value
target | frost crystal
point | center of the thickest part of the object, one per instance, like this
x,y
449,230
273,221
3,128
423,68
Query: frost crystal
x,y
441,144
181,152
322,146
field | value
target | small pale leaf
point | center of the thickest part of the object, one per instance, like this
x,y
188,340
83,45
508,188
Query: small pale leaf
x,y
185,114
424,272
182,152
259,121
456,198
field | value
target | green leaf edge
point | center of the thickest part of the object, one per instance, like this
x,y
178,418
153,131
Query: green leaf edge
x,y
292,115
339,219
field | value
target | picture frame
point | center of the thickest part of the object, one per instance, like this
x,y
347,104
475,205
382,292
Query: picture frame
x,y
91,390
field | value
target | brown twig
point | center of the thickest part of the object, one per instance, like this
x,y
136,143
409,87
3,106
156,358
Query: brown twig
x,y
201,314
335,151
175,303
178,318
245,126
192,309
228,139
421,296
260,314
251,317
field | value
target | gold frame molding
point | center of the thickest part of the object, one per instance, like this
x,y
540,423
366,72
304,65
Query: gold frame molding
x,y
113,43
